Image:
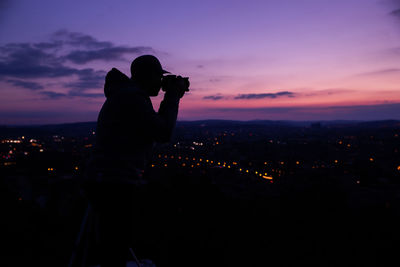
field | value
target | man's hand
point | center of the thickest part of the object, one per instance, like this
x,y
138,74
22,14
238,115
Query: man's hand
x,y
179,88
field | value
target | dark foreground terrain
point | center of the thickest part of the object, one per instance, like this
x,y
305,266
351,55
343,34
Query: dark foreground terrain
x,y
221,194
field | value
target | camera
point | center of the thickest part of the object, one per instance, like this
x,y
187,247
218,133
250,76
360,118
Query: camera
x,y
170,82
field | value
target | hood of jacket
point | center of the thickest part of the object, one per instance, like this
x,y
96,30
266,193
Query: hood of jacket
x,y
115,82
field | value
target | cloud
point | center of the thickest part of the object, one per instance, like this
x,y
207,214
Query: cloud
x,y
88,79
27,85
21,64
395,5
48,45
53,95
251,96
70,94
266,95
332,91
106,54
395,13
24,60
77,39
214,97
83,94
85,48
379,72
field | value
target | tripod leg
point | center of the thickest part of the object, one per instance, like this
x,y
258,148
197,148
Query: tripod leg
x,y
134,257
78,240
89,228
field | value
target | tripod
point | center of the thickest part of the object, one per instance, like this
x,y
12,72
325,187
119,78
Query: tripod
x,y
86,228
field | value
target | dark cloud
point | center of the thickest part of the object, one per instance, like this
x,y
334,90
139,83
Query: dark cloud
x,y
85,48
213,97
70,94
27,85
395,6
77,39
22,63
252,96
23,60
83,94
88,79
395,13
53,95
48,45
266,95
106,54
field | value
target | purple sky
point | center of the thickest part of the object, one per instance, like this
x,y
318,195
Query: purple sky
x,y
270,59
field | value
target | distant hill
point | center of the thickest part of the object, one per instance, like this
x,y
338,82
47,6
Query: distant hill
x,y
68,129
85,128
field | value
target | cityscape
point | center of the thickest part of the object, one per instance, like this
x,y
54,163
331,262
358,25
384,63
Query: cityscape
x,y
231,192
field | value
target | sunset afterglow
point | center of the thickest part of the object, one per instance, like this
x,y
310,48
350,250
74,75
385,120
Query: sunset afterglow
x,y
246,60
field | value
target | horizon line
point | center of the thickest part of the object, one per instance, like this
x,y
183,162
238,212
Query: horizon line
x,y
205,120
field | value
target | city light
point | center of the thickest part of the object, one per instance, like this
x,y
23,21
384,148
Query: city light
x,y
268,177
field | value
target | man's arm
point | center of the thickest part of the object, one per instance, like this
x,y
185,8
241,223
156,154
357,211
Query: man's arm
x,y
156,126
159,126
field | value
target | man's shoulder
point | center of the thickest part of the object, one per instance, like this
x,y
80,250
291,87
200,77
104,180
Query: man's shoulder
x,y
132,90
133,97
132,93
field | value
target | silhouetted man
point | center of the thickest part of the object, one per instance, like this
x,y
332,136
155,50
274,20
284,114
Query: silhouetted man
x,y
127,128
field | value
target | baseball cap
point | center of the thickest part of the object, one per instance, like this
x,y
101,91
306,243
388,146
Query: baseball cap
x,y
146,64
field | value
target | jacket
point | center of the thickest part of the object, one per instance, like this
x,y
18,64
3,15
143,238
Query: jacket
x,y
128,127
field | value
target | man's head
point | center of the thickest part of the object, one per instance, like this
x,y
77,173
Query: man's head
x,y
146,70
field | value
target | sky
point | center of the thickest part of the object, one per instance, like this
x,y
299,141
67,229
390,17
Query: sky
x,y
246,60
